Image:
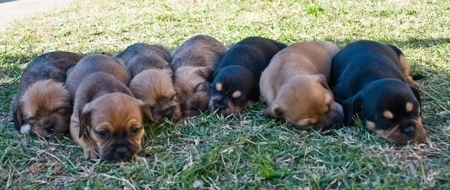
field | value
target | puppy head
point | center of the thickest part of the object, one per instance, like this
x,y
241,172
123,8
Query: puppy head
x,y
155,88
307,102
232,89
390,108
191,85
44,110
114,122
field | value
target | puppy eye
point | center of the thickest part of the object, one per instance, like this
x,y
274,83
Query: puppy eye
x,y
102,134
63,111
135,129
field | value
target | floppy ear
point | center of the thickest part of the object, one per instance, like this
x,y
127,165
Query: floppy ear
x,y
416,93
323,81
85,118
274,112
205,73
146,110
351,106
17,114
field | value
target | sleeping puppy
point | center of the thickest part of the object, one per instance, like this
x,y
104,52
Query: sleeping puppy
x,y
107,119
193,63
152,79
42,105
236,80
371,81
295,86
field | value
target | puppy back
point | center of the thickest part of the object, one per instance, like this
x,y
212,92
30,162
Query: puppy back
x,y
94,64
198,51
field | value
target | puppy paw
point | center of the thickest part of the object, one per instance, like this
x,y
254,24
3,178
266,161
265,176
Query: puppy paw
x,y
414,84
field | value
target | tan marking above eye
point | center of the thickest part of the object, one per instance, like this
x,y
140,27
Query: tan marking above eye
x,y
409,106
388,114
236,94
219,87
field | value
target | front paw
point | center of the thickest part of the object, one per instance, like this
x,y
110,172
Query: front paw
x,y
91,154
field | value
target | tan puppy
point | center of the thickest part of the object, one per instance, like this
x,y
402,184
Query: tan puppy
x,y
294,85
193,63
107,119
42,105
152,79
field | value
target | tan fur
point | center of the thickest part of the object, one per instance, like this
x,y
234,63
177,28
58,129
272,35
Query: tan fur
x,y
193,63
294,85
155,88
405,69
45,103
394,135
103,102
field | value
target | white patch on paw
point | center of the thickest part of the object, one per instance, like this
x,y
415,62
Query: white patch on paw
x,y
25,129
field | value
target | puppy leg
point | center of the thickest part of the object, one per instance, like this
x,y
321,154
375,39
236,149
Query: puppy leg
x,y
89,147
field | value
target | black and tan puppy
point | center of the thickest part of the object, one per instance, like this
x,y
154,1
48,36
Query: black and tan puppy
x,y
372,80
152,79
42,105
295,86
107,119
193,64
236,80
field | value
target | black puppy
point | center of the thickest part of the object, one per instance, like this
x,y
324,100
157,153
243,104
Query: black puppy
x,y
367,79
236,80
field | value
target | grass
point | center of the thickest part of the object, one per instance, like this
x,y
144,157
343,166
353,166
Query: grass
x,y
246,151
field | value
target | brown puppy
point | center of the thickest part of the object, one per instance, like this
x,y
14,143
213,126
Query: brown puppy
x,y
42,105
152,79
107,119
193,63
295,86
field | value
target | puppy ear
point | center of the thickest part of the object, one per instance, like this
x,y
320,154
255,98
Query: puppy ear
x,y
351,106
146,110
85,118
205,72
17,114
274,112
416,93
323,81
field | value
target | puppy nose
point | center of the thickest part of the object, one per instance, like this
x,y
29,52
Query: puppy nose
x,y
168,113
409,131
121,150
219,105
49,127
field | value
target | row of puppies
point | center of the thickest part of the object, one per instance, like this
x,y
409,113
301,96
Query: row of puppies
x,y
110,94
234,84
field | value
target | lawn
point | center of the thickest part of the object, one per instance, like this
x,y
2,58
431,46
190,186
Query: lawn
x,y
245,151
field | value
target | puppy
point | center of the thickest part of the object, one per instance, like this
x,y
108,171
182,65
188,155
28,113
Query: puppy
x,y
42,105
371,81
193,63
295,86
107,119
236,80
152,79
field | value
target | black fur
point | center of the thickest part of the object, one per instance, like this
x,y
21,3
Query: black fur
x,y
240,70
366,80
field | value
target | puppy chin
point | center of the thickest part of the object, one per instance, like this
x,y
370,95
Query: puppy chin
x,y
395,135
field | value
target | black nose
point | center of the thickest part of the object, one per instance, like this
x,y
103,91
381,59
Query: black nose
x,y
219,105
121,150
409,131
168,113
49,127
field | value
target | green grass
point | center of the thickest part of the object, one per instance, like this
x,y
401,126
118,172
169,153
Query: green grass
x,y
246,151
